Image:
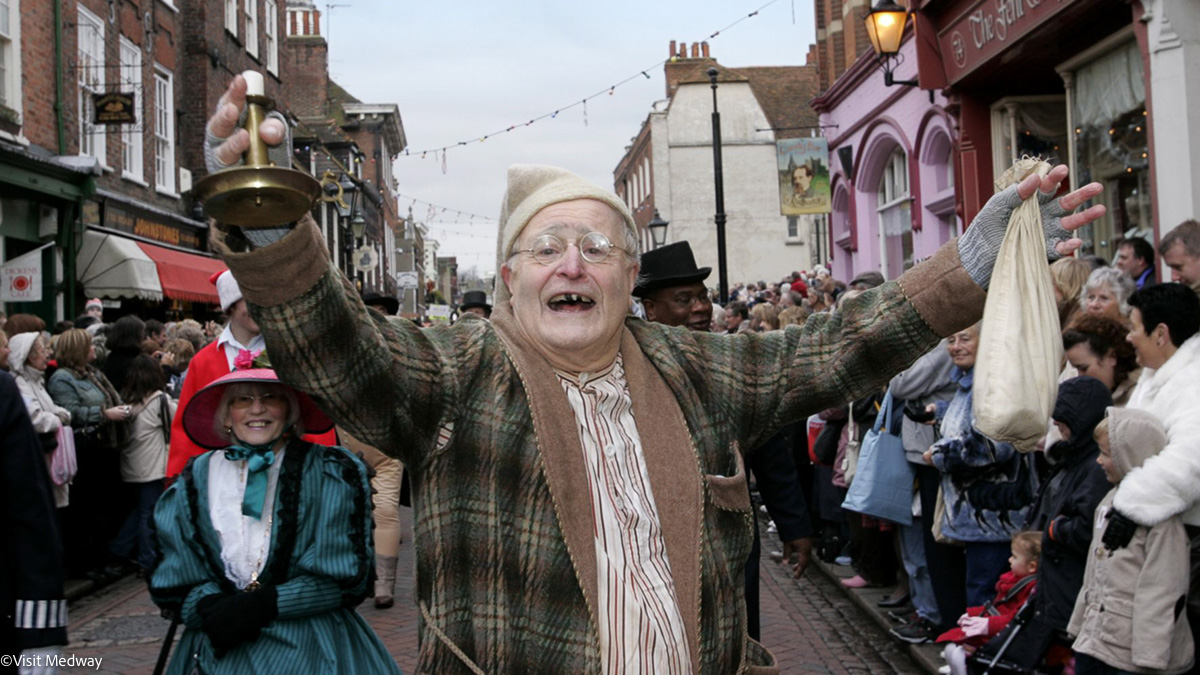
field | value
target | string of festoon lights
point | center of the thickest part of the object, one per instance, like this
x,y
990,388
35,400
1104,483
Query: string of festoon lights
x,y
440,151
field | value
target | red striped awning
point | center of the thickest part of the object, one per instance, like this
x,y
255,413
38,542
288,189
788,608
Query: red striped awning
x,y
184,276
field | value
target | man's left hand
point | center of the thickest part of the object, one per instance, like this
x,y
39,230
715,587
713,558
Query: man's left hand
x,y
802,550
980,244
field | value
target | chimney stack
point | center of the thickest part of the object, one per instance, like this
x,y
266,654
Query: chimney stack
x,y
671,51
704,49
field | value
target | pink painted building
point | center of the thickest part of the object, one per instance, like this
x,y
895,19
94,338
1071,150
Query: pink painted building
x,y
892,169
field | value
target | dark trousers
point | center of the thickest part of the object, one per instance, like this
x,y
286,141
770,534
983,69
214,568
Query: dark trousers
x,y
1087,665
947,563
136,535
752,564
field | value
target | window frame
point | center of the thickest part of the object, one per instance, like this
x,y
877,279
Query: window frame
x,y
165,182
888,197
271,35
251,41
133,146
91,144
231,17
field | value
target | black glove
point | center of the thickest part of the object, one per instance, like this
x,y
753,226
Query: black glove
x,y
917,412
1119,531
229,619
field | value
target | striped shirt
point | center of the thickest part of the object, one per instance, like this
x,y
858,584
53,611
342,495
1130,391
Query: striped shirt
x,y
641,630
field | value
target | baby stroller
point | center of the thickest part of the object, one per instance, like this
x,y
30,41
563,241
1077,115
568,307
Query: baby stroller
x,y
1026,646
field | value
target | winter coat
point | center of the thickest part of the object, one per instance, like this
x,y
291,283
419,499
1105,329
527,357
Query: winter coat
x,y
1131,612
1168,483
507,492
47,416
144,456
34,610
78,395
1011,594
926,381
968,459
1068,498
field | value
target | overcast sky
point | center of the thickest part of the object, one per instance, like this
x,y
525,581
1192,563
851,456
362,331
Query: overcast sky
x,y
462,70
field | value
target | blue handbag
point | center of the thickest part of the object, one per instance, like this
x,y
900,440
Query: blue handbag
x,y
883,483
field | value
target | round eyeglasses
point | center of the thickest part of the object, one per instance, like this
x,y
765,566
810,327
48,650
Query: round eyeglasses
x,y
593,246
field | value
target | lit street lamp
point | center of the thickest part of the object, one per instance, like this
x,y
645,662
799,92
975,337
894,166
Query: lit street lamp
x,y
885,27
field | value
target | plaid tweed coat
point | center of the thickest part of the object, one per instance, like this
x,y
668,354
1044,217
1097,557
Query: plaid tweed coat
x,y
506,573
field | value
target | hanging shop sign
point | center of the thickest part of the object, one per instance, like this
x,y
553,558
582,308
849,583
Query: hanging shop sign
x,y
21,278
119,217
114,108
987,28
803,175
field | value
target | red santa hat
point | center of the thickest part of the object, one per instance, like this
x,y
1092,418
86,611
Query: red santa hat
x,y
227,288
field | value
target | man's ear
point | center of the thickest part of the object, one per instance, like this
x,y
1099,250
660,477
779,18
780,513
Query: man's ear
x,y
648,305
505,273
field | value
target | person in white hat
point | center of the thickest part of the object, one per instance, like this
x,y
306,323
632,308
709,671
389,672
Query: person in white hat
x,y
580,498
241,340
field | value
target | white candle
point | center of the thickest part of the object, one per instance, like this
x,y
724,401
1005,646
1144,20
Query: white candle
x,y
254,83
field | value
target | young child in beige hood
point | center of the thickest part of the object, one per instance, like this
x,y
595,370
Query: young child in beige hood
x,y
1130,615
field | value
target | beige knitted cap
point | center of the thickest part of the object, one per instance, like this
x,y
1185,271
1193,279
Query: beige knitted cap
x,y
532,188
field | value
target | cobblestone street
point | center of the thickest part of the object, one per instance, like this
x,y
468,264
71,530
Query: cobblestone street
x,y
811,625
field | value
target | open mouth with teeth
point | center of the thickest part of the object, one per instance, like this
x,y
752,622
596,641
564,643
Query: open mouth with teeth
x,y
571,302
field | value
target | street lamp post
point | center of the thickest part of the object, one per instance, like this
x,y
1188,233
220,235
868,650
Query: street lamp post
x,y
658,229
719,182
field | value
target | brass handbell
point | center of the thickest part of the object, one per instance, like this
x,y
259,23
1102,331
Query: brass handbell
x,y
258,193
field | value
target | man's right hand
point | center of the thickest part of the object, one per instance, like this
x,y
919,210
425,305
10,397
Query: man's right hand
x,y
225,141
1119,532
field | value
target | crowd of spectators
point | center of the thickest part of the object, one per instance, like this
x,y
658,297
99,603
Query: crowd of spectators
x,y
995,530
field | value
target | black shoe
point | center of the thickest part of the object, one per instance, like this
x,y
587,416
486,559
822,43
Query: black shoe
x,y
916,632
893,601
903,615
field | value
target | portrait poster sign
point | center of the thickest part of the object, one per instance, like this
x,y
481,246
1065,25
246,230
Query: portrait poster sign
x,y
803,175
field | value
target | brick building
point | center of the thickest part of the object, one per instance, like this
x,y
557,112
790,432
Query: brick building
x,y
350,143
100,205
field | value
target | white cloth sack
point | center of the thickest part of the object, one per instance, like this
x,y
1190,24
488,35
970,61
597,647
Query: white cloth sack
x,y
1020,346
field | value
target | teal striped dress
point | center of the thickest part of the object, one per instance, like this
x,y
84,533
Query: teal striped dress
x,y
321,562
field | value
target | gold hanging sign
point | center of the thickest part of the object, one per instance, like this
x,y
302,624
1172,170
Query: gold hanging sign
x,y
114,108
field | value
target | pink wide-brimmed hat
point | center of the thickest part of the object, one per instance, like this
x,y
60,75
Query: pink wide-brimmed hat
x,y
201,411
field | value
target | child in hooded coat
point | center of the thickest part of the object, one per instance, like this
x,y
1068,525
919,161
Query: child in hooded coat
x,y
1069,496
1130,614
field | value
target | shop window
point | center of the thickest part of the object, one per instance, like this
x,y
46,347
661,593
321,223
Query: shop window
x,y
793,227
1110,145
840,220
91,81
252,28
937,186
164,131
131,134
1032,126
895,217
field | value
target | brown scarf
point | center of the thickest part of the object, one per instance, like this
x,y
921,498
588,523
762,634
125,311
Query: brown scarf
x,y
670,457
115,433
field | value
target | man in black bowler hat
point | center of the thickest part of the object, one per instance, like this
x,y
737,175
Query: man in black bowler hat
x,y
672,291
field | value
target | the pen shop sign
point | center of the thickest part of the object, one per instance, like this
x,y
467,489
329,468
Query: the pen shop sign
x,y
114,108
